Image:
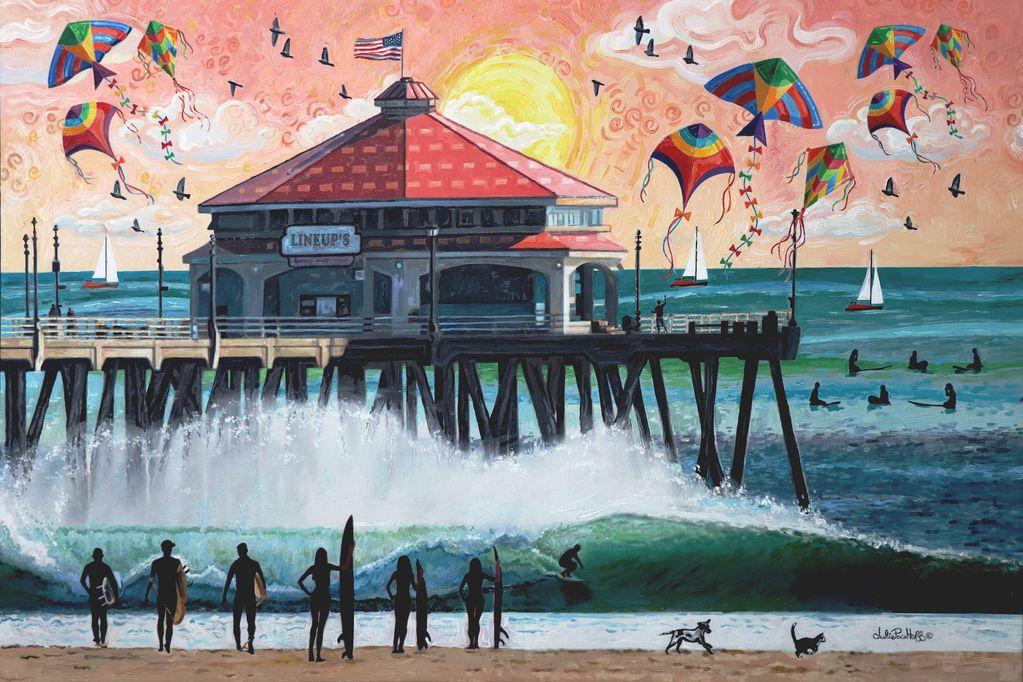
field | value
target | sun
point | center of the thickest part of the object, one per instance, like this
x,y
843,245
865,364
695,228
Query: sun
x,y
518,101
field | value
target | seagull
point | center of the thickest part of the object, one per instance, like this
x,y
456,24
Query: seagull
x,y
135,226
909,224
688,59
650,49
638,28
344,92
954,188
234,86
325,58
889,189
275,31
596,87
117,191
179,191
286,52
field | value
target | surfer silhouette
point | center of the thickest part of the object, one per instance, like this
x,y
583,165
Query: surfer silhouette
x,y
568,561
916,363
165,571
881,398
815,397
473,598
950,400
97,572
422,608
855,369
402,580
319,599
243,571
974,366
659,315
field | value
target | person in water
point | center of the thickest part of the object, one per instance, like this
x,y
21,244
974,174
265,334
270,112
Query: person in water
x,y
165,571
568,561
815,397
855,369
950,399
880,399
659,314
96,572
473,598
918,365
243,571
402,600
974,366
319,600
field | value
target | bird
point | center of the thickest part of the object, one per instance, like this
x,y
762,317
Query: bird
x,y
650,49
638,28
117,191
596,87
135,226
275,31
344,92
286,52
179,191
909,223
234,86
889,189
325,58
688,59
954,188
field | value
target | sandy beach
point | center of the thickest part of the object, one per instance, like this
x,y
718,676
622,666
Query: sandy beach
x,y
377,663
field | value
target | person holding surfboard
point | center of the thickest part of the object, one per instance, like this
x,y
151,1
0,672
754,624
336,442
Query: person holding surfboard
x,y
422,608
102,591
950,400
855,369
166,572
319,600
975,365
568,561
473,597
815,397
248,576
402,600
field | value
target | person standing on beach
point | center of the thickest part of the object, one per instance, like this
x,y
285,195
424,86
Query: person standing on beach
x,y
473,598
319,600
96,572
165,571
243,571
402,600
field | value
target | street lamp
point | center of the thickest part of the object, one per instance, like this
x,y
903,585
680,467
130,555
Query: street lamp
x,y
35,292
28,288
159,269
57,286
639,242
432,231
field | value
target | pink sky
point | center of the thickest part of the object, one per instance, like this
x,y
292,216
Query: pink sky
x,y
289,105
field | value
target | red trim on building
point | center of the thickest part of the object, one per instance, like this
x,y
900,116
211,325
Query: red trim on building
x,y
567,241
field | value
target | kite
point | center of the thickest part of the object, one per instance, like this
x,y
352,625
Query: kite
x,y
888,110
949,43
83,45
87,127
694,154
771,91
827,169
885,46
159,47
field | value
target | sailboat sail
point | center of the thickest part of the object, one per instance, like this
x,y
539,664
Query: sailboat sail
x,y
875,292
696,266
106,266
871,289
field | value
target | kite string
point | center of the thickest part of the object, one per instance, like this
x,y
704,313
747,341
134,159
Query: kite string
x,y
78,169
646,179
920,157
920,108
726,193
666,245
850,185
132,189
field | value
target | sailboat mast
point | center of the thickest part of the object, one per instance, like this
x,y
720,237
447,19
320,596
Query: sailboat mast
x,y
870,295
696,260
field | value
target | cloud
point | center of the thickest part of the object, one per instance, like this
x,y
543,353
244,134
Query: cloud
x,y
723,37
319,128
933,139
116,217
1016,140
485,116
862,220
30,31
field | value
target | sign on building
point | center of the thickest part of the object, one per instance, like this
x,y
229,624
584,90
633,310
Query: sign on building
x,y
306,245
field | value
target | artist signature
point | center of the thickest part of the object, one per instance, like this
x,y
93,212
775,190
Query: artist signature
x,y
903,633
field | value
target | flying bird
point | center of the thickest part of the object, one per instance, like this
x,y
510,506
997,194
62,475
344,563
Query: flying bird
x,y
286,52
638,28
275,31
954,188
325,58
889,189
909,223
650,49
179,191
135,226
596,87
234,86
344,92
688,59
117,191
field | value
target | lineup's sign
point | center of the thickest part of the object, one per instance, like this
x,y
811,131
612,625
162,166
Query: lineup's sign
x,y
320,241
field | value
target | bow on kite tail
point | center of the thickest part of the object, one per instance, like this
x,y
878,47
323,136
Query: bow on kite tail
x,y
166,144
750,202
950,111
666,242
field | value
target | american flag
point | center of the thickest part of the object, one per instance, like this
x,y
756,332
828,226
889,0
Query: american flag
x,y
388,47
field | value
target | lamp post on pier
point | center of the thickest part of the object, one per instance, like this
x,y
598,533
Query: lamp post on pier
x,y
159,269
28,288
57,286
639,243
792,298
35,291
432,231
211,321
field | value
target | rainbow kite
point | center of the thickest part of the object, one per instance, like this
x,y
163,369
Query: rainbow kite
x,y
885,46
160,46
87,128
888,110
83,45
948,42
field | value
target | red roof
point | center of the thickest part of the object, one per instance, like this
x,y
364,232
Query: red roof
x,y
425,156
567,241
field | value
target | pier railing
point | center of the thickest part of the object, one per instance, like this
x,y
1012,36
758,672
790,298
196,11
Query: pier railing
x,y
704,323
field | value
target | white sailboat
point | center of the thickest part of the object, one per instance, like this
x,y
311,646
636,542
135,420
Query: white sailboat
x,y
695,274
870,296
105,276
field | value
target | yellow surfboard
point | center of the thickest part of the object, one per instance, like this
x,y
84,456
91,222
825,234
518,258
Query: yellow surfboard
x,y
179,612
260,588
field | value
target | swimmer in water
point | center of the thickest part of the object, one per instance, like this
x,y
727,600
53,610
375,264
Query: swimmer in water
x,y
815,397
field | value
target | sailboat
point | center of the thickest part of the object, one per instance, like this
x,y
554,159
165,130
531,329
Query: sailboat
x,y
105,276
695,274
870,296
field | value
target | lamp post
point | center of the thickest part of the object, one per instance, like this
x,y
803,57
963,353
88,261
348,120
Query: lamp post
x,y
639,242
57,286
211,322
159,269
432,231
35,292
28,288
792,298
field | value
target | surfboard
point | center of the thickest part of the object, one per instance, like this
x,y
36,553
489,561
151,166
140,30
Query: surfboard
x,y
179,612
108,595
422,610
259,588
347,589
913,402
498,603
563,579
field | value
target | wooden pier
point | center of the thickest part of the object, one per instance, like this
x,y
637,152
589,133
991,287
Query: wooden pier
x,y
163,364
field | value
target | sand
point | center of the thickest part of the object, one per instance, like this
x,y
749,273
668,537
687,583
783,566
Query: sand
x,y
377,663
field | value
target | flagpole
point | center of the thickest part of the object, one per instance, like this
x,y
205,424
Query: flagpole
x,y
403,53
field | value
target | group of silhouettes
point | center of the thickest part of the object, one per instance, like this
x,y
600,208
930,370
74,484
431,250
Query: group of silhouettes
x,y
883,397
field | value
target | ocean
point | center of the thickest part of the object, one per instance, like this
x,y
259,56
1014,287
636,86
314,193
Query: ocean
x,y
914,510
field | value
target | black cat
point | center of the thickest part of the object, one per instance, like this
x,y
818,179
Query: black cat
x,y
806,645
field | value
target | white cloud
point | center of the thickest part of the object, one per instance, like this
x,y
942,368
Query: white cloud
x,y
116,217
1016,140
317,129
933,139
721,40
482,114
29,31
861,220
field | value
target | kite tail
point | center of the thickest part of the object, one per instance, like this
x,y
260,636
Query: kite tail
x,y
799,165
666,245
850,185
726,193
794,237
746,190
934,58
646,179
188,108
188,46
970,89
921,109
146,64
878,140
78,170
920,157
132,189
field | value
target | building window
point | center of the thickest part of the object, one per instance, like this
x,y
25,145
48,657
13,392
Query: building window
x,y
536,217
381,294
488,217
325,216
303,216
443,217
314,305
416,218
278,219
394,218
466,217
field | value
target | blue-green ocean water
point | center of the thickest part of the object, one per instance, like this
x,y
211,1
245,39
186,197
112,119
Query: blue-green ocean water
x,y
914,509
